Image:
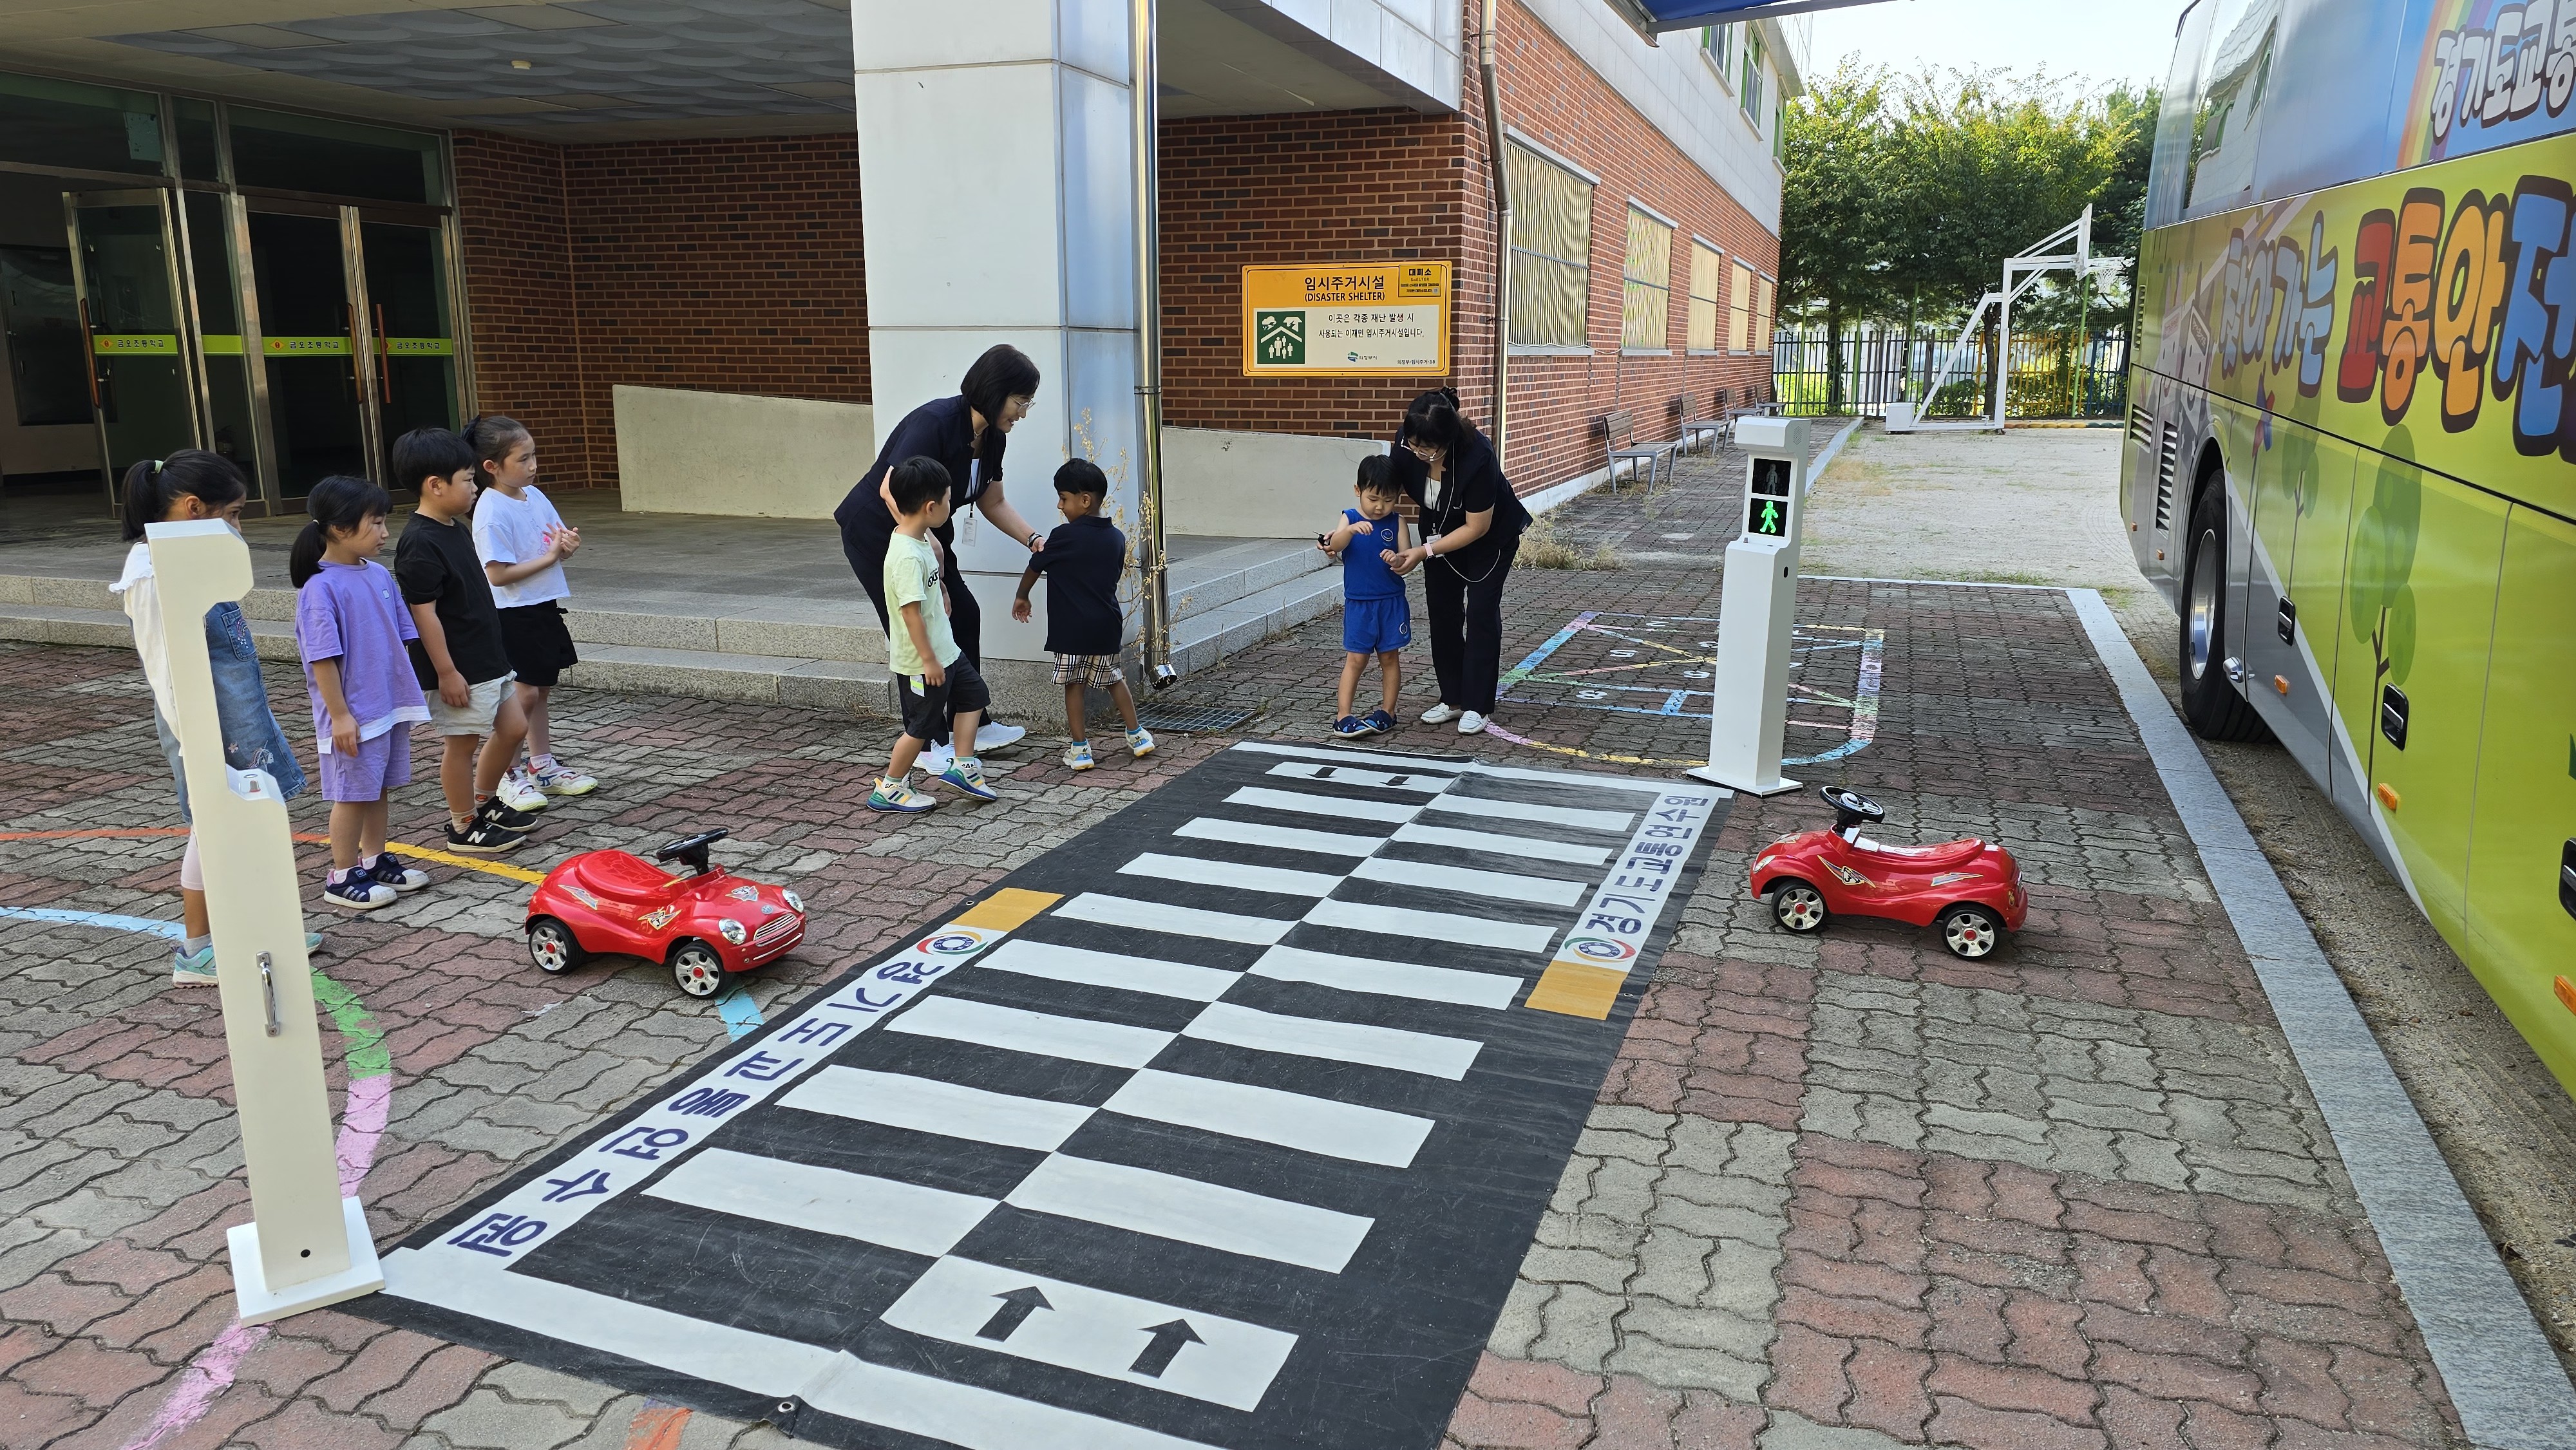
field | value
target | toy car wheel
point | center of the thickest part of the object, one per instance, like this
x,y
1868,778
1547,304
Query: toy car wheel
x,y
1971,931
553,947
1798,906
698,970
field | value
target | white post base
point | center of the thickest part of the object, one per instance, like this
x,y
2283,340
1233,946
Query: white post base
x,y
1709,773
256,1303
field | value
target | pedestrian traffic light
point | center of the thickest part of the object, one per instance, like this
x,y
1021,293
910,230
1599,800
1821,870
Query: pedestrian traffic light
x,y
1767,498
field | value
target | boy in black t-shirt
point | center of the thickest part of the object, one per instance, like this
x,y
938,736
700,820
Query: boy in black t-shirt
x,y
459,657
1086,631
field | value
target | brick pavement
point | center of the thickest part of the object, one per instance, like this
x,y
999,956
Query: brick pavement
x,y
1839,1193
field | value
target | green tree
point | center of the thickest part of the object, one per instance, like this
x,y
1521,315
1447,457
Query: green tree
x,y
1833,245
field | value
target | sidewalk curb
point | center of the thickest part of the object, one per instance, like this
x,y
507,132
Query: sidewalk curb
x,y
1816,466
2502,1375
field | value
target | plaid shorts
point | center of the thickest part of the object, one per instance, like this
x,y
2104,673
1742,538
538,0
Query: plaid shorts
x,y
1101,670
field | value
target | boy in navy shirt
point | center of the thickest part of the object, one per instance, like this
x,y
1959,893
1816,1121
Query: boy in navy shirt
x,y
1376,617
1086,632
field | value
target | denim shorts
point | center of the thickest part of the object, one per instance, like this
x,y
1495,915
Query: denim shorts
x,y
1374,626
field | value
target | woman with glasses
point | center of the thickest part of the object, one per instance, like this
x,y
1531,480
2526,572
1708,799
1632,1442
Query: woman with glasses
x,y
965,433
1470,526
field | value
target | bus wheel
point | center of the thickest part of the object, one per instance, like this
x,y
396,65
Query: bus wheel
x,y
2210,703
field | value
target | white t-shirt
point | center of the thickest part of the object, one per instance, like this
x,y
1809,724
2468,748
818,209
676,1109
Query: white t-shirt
x,y
512,531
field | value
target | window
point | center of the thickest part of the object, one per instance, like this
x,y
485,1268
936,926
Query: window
x,y
83,128
306,153
1706,265
1749,91
1551,250
1646,284
1762,314
1719,42
1739,310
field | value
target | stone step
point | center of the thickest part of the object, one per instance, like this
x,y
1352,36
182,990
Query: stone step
x,y
1204,583
1208,636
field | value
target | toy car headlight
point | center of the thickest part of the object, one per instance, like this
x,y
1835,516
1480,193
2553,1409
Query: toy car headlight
x,y
794,901
732,931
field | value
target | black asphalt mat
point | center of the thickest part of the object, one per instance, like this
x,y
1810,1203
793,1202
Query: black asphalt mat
x,y
1079,1168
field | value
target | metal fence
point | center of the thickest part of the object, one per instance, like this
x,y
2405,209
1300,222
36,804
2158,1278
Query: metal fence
x,y
2052,374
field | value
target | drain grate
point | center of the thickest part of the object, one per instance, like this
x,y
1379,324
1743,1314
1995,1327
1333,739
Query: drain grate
x,y
1191,719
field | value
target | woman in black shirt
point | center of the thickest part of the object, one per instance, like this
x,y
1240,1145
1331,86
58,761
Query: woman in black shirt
x,y
966,434
1471,525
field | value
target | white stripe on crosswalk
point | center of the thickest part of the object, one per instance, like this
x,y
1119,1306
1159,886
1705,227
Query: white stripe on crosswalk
x,y
1393,1047
1345,755
1094,1332
1346,807
1388,979
1259,931
1412,780
1269,1115
1468,881
834,1382
1105,969
1580,819
1417,834
1340,754
903,1216
1200,871
1279,838
927,1105
1474,931
1016,1029
1188,1211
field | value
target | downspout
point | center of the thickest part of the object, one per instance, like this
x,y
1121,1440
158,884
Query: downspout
x,y
1502,232
1144,84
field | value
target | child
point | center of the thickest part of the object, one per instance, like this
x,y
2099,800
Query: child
x,y
523,543
1085,631
459,653
353,633
930,671
193,484
1376,617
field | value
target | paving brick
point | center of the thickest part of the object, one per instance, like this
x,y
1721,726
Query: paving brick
x,y
1533,1382
1961,1422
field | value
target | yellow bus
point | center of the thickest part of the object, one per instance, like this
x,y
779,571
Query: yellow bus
x,y
2351,461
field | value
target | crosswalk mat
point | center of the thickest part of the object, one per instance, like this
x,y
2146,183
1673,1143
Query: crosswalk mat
x,y
1225,1124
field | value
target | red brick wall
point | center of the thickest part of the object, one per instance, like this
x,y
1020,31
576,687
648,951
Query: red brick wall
x,y
729,265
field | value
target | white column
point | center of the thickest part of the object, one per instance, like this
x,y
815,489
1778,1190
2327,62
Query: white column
x,y
996,194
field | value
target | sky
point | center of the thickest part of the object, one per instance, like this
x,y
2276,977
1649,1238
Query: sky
x,y
2102,40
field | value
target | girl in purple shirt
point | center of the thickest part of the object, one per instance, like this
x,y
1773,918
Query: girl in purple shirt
x,y
350,627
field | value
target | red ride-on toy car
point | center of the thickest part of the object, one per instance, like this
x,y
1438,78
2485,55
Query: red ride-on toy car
x,y
1973,889
702,925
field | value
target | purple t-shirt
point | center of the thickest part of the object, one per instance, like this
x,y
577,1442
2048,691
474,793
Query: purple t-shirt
x,y
354,613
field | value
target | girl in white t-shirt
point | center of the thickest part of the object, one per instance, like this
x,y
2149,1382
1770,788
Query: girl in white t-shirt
x,y
523,543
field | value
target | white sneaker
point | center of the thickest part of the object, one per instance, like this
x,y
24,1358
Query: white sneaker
x,y
992,735
1439,714
1471,723
520,793
937,758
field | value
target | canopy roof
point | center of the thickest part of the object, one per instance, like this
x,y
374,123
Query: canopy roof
x,y
1652,16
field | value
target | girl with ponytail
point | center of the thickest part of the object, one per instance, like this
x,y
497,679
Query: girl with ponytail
x,y
1471,523
353,632
188,486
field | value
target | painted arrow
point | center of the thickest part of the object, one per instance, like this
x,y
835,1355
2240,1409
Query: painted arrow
x,y
1017,1306
1167,1342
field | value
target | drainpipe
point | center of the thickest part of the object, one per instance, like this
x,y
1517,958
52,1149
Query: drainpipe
x,y
1144,84
1502,231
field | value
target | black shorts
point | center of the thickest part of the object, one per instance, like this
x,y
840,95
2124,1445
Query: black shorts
x,y
926,710
538,643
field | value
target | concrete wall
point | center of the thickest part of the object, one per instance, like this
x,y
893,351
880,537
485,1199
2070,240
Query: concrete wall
x,y
684,452
1257,485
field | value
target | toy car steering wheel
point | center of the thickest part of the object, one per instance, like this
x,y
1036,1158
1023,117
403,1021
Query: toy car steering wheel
x,y
692,850
1851,807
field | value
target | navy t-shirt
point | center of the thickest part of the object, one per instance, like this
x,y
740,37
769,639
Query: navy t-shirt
x,y
1083,561
1365,574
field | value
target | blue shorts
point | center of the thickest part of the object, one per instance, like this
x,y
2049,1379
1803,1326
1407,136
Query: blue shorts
x,y
1374,626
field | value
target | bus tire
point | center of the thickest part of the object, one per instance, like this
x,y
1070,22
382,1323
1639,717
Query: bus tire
x,y
2213,707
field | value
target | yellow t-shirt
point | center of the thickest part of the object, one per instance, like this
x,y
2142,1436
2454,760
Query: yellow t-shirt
x,y
912,577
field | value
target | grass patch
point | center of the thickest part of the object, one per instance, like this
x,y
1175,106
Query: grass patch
x,y
1543,548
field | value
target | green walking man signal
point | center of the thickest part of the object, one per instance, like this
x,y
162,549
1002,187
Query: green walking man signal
x,y
1768,520
1766,499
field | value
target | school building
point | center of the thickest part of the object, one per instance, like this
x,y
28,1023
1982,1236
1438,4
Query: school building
x,y
702,247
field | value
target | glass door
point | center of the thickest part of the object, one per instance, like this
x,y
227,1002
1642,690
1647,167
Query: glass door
x,y
125,270
412,325
308,324
214,265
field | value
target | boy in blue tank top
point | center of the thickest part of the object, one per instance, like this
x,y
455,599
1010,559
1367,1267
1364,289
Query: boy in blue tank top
x,y
1376,617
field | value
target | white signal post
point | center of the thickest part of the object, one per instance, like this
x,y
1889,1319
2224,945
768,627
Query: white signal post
x,y
1749,705
306,1246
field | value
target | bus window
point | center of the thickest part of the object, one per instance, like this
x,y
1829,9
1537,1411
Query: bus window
x,y
2172,163
2229,126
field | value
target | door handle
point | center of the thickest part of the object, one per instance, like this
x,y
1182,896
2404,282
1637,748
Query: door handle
x,y
2567,877
384,357
89,354
350,311
2392,715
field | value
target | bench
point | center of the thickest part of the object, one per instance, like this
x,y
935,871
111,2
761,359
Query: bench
x,y
1715,426
1620,429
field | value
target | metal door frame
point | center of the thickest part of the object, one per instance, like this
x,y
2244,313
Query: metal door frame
x,y
182,309
440,223
352,294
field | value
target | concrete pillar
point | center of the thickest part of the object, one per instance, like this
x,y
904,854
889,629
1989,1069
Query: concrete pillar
x,y
997,196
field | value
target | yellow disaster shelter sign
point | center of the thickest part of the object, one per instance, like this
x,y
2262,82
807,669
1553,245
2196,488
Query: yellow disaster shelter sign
x,y
1351,319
